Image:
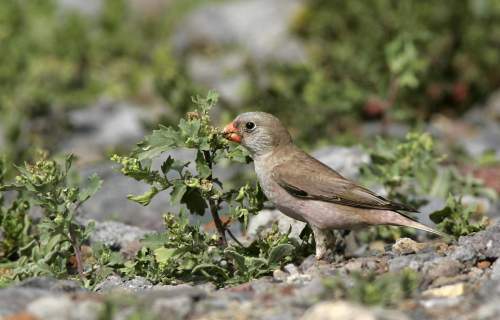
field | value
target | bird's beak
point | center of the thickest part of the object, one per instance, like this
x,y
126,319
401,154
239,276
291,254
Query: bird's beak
x,y
231,133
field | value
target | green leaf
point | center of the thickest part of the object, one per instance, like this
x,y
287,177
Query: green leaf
x,y
159,141
211,271
178,191
239,260
154,240
68,162
439,215
94,184
167,165
144,199
194,201
279,252
202,167
163,255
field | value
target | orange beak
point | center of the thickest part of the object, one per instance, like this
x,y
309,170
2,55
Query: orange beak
x,y
231,133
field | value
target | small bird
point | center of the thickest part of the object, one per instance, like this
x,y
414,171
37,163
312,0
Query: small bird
x,y
306,189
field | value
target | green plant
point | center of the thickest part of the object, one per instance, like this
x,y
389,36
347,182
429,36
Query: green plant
x,y
457,219
387,289
53,244
198,190
380,59
183,251
405,169
56,59
411,170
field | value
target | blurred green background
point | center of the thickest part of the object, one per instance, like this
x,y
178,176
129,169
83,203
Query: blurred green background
x,y
93,77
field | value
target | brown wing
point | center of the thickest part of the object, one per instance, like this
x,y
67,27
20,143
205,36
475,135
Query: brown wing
x,y
305,177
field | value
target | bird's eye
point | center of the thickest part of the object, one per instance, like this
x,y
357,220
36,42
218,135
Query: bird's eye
x,y
250,125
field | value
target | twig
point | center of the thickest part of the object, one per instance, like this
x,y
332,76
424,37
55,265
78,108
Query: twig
x,y
213,206
78,253
234,238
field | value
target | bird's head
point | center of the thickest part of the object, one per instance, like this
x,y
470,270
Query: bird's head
x,y
259,132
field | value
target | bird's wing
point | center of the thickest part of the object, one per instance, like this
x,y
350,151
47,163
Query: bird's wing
x,y
308,178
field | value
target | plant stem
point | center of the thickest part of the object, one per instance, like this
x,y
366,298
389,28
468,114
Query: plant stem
x,y
213,205
78,253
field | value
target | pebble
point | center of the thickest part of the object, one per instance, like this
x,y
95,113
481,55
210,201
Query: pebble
x,y
453,290
406,246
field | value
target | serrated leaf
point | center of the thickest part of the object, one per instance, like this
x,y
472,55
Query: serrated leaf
x,y
189,131
239,154
94,184
167,165
145,198
194,201
161,140
279,252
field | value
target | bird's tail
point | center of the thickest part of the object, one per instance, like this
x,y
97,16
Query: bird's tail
x,y
420,226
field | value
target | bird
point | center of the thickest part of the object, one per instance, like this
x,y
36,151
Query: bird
x,y
305,189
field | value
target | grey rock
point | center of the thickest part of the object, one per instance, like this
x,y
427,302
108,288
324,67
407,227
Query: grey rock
x,y
308,263
261,285
259,27
224,73
172,291
51,284
413,261
104,125
406,246
495,270
346,160
441,302
111,202
441,267
279,275
175,307
14,300
482,245
114,282
291,269
264,220
311,291
339,310
116,235
51,308
64,308
485,140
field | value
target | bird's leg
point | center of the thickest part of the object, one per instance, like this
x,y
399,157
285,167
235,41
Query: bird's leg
x,y
324,239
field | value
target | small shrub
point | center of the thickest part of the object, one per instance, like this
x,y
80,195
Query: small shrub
x,y
184,251
51,246
457,219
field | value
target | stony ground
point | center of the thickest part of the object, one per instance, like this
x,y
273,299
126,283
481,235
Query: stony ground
x,y
459,281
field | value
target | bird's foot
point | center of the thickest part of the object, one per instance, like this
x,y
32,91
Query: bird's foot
x,y
324,240
330,244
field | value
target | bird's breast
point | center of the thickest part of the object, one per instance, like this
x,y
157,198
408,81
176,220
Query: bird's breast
x,y
283,201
